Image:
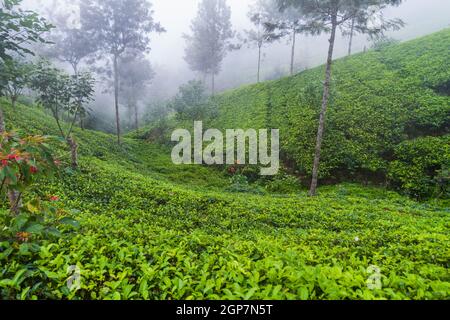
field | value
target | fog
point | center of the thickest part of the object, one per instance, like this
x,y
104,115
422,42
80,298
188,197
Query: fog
x,y
239,67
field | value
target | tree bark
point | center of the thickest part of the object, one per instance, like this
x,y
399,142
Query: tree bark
x,y
294,35
259,63
73,151
15,201
352,29
116,96
326,96
136,116
213,84
13,101
2,122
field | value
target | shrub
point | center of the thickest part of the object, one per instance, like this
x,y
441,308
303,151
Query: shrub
x,y
422,167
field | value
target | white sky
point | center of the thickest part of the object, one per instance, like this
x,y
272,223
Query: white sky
x,y
422,17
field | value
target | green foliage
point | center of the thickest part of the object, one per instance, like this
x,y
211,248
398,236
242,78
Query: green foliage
x,y
284,184
152,230
19,28
192,102
422,167
63,94
147,229
22,161
15,76
379,100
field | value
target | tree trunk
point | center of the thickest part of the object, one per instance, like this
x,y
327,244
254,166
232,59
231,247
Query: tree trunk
x,y
326,95
351,37
73,151
2,122
116,96
13,101
294,35
259,63
15,201
213,84
136,116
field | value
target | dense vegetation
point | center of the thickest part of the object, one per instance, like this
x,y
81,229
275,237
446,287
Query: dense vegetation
x,y
151,230
119,221
389,108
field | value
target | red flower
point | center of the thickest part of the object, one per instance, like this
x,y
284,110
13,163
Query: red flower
x,y
33,169
54,198
4,163
13,157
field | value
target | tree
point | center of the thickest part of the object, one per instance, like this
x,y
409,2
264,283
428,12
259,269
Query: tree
x,y
117,26
19,28
210,38
136,74
287,23
191,102
328,16
374,17
14,78
72,46
260,15
64,94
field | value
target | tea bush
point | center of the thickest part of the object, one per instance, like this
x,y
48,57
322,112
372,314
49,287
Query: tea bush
x,y
379,100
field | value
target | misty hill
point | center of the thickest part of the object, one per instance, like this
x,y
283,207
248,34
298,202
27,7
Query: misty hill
x,y
389,107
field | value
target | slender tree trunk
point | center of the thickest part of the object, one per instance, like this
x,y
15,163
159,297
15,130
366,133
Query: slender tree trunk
x,y
2,121
136,116
259,63
294,35
350,44
213,84
116,96
15,201
326,95
13,101
73,151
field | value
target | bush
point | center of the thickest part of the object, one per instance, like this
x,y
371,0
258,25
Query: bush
x,y
284,183
422,167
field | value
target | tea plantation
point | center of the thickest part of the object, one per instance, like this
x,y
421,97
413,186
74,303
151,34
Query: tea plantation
x,y
144,228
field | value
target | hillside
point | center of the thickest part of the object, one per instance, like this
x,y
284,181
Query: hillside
x,y
389,107
153,230
150,230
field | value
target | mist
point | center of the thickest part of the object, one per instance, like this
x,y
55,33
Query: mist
x,y
240,67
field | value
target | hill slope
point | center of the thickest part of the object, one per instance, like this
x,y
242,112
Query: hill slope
x,y
388,107
143,238
152,230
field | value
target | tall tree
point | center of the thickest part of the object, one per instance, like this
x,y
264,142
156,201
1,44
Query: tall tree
x,y
72,46
261,14
117,26
210,38
374,19
287,23
18,29
328,16
136,74
15,76
61,93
